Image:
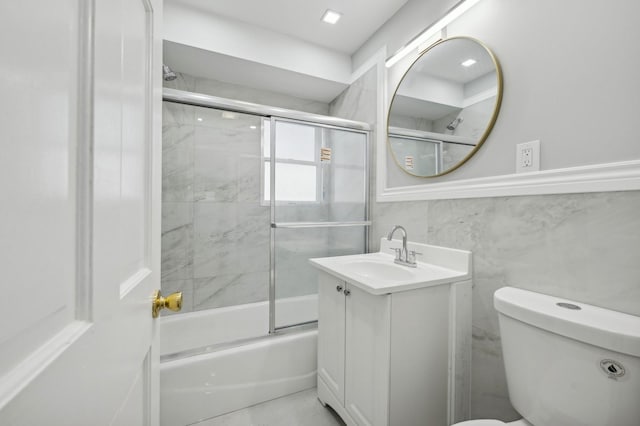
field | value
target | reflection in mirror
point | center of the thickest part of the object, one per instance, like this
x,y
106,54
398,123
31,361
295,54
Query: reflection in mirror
x,y
444,107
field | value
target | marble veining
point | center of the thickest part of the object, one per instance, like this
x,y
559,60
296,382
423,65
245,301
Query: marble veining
x,y
579,246
231,289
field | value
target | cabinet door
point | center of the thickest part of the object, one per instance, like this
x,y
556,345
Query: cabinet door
x,y
367,357
331,311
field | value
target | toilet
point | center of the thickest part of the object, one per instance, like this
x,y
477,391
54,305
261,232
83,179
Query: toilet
x,y
567,363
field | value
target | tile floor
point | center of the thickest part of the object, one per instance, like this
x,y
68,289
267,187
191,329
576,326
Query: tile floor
x,y
298,409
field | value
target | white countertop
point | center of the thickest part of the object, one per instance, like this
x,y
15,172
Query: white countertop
x,y
376,273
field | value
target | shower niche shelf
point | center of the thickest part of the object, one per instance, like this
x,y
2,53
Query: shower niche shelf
x,y
394,348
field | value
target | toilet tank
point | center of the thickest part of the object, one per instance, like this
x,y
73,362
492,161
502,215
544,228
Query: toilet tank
x,y
569,363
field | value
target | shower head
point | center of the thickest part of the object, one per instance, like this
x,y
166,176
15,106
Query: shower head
x,y
454,123
167,73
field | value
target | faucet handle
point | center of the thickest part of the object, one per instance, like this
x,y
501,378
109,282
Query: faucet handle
x,y
412,256
398,251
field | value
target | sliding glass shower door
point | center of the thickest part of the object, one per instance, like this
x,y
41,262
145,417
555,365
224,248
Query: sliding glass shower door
x,y
316,183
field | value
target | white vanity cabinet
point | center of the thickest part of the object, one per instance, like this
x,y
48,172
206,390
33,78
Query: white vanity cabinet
x,y
400,358
353,337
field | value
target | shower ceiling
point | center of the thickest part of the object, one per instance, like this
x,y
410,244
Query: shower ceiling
x,y
301,18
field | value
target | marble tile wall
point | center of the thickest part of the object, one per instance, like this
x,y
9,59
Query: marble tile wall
x,y
580,246
213,221
215,230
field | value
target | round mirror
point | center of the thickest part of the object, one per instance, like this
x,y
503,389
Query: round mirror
x,y
444,107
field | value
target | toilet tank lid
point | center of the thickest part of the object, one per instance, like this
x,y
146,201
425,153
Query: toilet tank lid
x,y
605,328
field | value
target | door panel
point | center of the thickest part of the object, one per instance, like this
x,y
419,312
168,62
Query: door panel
x,y
37,176
81,219
319,209
367,357
331,312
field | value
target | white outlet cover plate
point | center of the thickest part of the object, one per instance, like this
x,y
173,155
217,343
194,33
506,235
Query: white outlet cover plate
x,y
535,157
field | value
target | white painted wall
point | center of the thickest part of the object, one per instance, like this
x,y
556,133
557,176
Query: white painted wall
x,y
570,80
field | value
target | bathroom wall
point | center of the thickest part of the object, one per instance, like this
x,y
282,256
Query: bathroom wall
x,y
580,246
569,81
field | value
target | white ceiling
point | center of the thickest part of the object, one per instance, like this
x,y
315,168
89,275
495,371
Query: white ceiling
x,y
444,61
301,18
232,70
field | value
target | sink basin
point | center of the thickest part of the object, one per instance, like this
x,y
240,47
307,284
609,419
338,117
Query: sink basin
x,y
378,270
376,273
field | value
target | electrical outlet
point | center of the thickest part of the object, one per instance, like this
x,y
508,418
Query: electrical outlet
x,y
528,157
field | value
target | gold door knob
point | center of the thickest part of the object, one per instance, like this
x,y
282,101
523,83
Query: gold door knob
x,y
172,302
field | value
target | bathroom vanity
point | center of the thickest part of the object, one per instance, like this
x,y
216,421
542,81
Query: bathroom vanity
x,y
394,341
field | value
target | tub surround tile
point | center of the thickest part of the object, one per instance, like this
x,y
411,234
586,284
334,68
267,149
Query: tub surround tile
x,y
230,289
226,164
178,186
175,215
177,148
173,113
249,178
230,237
177,241
177,162
358,102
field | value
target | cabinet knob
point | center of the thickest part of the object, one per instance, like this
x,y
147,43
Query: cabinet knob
x,y
339,288
347,292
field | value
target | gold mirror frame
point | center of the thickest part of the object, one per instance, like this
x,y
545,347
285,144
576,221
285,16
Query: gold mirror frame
x,y
490,125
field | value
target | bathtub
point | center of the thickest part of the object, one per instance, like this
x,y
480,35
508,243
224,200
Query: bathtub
x,y
221,360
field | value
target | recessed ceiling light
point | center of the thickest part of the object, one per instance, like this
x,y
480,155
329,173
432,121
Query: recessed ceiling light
x,y
331,16
468,62
252,127
199,119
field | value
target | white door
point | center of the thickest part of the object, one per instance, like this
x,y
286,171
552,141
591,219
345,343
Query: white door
x,y
331,311
367,357
80,89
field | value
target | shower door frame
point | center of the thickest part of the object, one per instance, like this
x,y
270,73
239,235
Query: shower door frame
x,y
285,115
307,225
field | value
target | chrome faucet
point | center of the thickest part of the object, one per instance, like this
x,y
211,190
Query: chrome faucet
x,y
403,256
